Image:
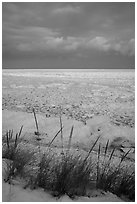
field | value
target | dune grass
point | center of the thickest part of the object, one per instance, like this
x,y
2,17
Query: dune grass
x,y
67,173
17,157
11,144
116,178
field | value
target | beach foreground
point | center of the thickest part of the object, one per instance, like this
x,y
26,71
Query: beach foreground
x,y
97,105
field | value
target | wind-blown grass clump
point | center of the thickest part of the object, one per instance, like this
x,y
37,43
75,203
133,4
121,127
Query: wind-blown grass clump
x,y
10,144
43,177
72,176
67,175
116,178
126,185
17,158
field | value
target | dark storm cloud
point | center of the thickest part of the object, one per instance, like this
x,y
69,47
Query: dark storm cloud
x,y
85,35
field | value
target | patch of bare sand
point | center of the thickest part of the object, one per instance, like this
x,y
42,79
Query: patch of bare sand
x,y
15,193
12,193
120,137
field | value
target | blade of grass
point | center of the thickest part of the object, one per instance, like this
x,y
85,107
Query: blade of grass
x,y
122,159
55,137
20,131
11,134
111,154
61,132
98,170
99,151
107,165
15,142
91,149
7,137
124,156
70,138
106,148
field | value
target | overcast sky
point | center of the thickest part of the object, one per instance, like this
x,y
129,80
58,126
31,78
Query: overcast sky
x,y
68,35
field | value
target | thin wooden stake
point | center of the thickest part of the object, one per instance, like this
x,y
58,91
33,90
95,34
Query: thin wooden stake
x,y
36,121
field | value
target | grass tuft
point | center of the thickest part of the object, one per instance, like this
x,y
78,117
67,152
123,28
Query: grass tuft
x,y
10,144
17,157
68,174
114,178
72,176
